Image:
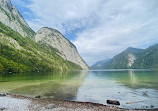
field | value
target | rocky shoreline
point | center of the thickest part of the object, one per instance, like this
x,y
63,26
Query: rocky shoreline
x,y
12,102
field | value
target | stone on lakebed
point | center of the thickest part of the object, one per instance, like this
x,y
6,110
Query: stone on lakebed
x,y
2,94
115,102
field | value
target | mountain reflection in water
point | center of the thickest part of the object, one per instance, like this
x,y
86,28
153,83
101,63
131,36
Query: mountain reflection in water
x,y
88,86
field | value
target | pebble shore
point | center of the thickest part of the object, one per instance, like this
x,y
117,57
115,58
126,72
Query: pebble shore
x,y
12,102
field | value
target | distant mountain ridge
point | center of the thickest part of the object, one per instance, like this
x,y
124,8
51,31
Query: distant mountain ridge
x,y
134,58
100,64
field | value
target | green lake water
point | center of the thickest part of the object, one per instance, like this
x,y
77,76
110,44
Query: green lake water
x,y
88,86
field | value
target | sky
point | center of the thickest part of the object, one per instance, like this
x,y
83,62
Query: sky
x,y
100,29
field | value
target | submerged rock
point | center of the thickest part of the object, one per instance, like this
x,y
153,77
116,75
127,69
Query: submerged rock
x,y
144,94
2,94
1,109
115,102
38,96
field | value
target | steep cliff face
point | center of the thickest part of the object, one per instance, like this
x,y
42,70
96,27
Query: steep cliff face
x,y
13,19
65,48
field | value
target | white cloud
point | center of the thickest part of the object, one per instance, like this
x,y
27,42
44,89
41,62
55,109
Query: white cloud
x,y
109,26
124,24
65,15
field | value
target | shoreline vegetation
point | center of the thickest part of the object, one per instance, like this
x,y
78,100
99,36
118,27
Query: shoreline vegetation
x,y
20,102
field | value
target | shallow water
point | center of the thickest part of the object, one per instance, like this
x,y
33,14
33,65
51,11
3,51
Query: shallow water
x,y
88,86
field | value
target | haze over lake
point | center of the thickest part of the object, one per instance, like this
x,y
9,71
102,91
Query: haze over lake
x,y
88,86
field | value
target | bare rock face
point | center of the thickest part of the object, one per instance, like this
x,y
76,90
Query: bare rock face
x,y
13,19
131,59
66,49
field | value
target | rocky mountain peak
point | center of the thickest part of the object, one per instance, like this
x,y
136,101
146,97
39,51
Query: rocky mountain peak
x,y
56,33
55,39
13,19
133,50
129,48
6,4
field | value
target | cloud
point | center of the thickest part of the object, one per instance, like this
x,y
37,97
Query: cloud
x,y
64,15
123,24
108,26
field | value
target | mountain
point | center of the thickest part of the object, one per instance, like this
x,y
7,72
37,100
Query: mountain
x,y
100,64
12,18
125,59
22,54
22,50
133,58
66,49
149,58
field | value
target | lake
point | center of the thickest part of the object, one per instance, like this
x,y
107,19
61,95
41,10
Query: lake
x,y
88,86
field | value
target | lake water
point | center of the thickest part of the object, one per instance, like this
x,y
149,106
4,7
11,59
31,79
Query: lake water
x,y
88,86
